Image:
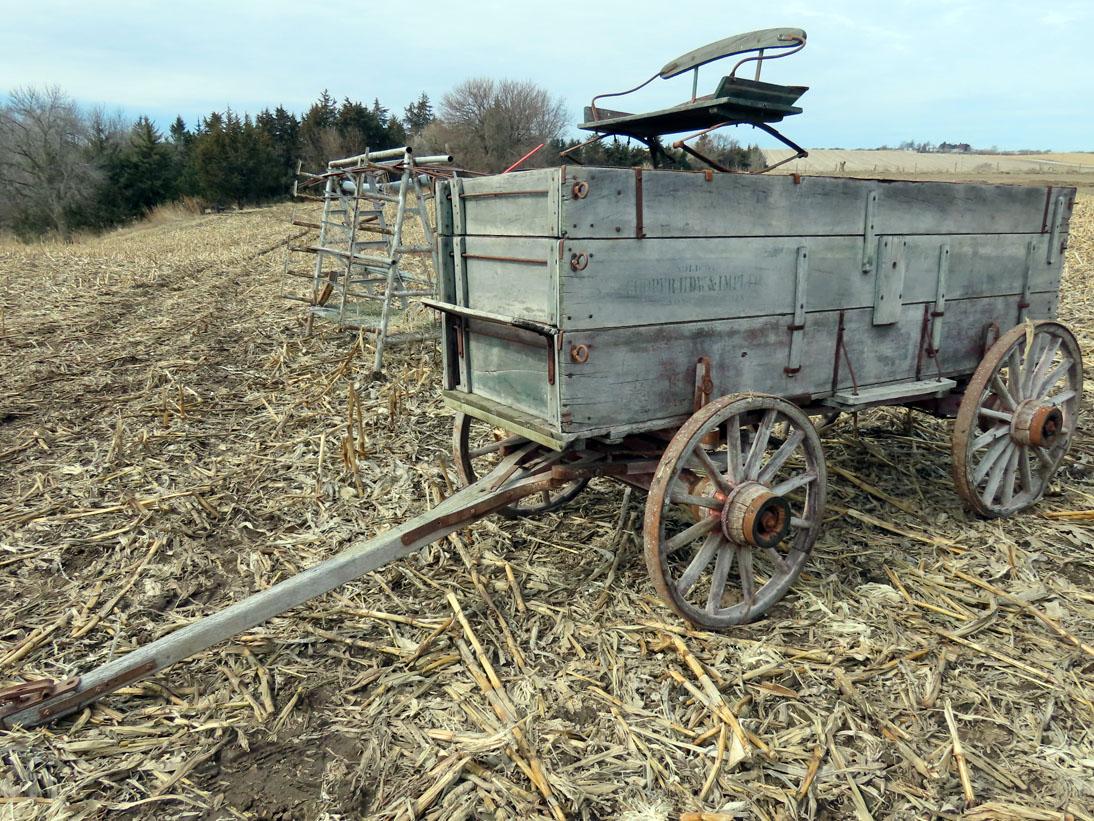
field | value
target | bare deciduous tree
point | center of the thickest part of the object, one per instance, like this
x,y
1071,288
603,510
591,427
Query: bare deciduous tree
x,y
44,169
488,124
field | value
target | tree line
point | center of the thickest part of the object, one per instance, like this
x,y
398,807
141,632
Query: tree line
x,y
65,168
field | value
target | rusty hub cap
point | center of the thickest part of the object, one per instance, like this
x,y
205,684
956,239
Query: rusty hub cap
x,y
754,515
1036,423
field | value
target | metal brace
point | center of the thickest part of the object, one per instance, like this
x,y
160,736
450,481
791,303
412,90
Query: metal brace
x,y
939,300
704,385
801,276
19,697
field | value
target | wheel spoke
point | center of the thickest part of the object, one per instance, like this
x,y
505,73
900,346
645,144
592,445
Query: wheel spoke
x,y
799,523
1060,398
996,474
793,483
1026,471
1053,376
985,439
495,446
718,578
1014,374
733,449
686,537
748,577
698,564
1030,359
994,414
1009,476
1002,392
780,457
759,445
712,470
1038,372
700,501
778,560
990,458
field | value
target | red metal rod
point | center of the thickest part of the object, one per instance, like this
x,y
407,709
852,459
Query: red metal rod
x,y
520,162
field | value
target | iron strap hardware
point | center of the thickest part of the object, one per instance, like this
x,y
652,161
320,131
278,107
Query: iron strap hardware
x,y
516,260
19,697
540,328
486,194
797,325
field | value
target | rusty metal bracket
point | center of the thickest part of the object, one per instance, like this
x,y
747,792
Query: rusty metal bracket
x,y
939,311
19,697
639,228
797,325
991,336
842,353
869,236
704,385
1057,226
579,261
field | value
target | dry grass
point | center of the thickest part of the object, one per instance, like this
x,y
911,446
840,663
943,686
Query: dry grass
x,y
862,161
169,443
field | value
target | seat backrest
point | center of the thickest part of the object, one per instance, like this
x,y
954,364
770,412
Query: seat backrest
x,y
740,44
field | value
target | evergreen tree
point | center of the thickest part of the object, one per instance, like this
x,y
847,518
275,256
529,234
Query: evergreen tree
x,y
181,142
146,170
418,115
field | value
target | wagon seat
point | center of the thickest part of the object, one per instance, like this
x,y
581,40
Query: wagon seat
x,y
736,100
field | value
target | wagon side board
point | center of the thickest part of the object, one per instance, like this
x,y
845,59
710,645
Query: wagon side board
x,y
796,286
615,203
636,374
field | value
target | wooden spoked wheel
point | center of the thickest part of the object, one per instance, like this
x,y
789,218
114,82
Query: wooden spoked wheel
x,y
741,483
1016,419
478,446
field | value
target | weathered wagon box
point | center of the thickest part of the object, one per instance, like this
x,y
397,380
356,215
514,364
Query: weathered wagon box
x,y
581,299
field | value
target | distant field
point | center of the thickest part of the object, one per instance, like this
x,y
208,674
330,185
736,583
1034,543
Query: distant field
x,y
857,162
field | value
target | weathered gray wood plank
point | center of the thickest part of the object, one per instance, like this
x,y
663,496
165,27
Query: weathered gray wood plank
x,y
520,204
889,280
653,281
643,373
693,204
514,276
510,367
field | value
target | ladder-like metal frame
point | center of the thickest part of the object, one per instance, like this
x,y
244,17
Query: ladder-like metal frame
x,y
355,191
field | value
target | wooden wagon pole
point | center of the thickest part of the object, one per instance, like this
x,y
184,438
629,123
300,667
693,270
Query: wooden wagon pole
x,y
520,474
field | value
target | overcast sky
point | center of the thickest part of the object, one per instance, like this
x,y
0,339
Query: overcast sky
x,y
988,72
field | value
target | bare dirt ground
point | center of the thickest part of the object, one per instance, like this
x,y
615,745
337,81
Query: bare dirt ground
x,y
170,443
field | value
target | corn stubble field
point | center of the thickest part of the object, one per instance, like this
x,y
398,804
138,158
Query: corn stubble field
x,y
170,442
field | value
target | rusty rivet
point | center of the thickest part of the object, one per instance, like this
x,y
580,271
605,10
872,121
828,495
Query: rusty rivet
x,y
580,190
579,262
579,353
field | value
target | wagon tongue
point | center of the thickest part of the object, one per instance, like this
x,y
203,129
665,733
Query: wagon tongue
x,y
524,472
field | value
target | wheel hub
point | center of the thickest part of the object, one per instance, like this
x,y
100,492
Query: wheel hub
x,y
756,516
1036,423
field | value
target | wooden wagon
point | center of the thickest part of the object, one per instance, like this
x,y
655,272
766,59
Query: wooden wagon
x,y
678,331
